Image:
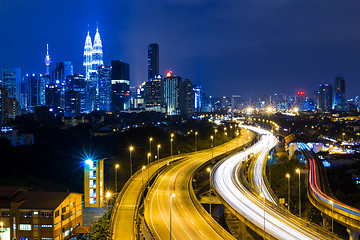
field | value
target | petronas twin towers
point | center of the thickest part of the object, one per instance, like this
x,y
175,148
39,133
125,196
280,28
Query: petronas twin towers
x,y
93,54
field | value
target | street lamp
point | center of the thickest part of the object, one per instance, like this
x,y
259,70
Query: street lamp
x,y
171,144
196,133
131,148
288,177
171,197
1,226
148,159
262,195
212,147
298,172
142,175
150,140
107,196
215,131
209,171
332,215
158,154
225,141
116,168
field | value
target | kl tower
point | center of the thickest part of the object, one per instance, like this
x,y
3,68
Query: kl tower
x,y
47,60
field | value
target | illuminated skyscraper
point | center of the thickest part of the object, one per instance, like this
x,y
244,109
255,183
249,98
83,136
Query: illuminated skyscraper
x,y
88,50
120,82
172,93
47,60
339,101
97,53
105,88
153,61
11,78
93,54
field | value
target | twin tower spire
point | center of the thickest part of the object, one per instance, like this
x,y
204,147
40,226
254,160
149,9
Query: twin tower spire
x,y
93,54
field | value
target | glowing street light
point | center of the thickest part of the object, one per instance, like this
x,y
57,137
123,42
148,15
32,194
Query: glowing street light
x,y
225,142
158,154
131,148
288,177
171,197
196,133
150,140
209,171
148,159
298,172
171,146
212,146
107,197
215,131
116,168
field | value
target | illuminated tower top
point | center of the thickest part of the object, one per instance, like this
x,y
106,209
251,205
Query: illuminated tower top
x,y
97,54
47,60
88,50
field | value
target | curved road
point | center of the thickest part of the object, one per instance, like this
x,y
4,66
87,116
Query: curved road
x,y
189,219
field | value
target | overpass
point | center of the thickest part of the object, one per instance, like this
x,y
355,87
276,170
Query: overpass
x,y
321,197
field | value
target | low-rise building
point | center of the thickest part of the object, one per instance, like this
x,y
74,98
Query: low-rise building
x,y
27,215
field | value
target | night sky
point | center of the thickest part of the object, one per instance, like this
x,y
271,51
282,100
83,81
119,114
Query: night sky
x,y
246,47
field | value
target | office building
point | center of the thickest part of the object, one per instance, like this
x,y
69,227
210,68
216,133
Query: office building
x,y
324,97
153,61
72,103
339,100
78,84
38,215
120,81
154,95
52,97
197,89
104,88
172,93
187,98
93,54
11,79
94,183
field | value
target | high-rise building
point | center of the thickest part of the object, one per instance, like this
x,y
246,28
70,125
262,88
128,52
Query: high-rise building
x,y
197,89
72,103
97,52
11,79
104,88
33,82
154,95
120,81
78,84
187,98
324,98
4,96
88,49
52,97
339,100
93,54
172,93
153,61
47,60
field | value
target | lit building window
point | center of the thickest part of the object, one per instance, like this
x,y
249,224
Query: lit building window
x,y
25,227
46,226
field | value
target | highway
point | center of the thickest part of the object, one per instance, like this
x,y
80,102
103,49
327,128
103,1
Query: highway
x,y
189,220
125,207
246,202
322,197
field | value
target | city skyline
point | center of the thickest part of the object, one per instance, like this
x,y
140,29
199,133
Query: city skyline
x,y
276,52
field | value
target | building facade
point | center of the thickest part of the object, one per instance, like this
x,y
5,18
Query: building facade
x,y
153,61
120,83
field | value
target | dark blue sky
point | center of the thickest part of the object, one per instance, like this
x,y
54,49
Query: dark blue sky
x,y
230,46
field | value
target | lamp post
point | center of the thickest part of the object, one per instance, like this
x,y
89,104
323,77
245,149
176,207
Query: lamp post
x,y
212,147
263,197
131,148
332,215
298,172
215,131
158,154
269,159
209,171
196,133
225,141
288,177
171,144
107,196
142,175
150,140
148,158
171,197
116,168
230,130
